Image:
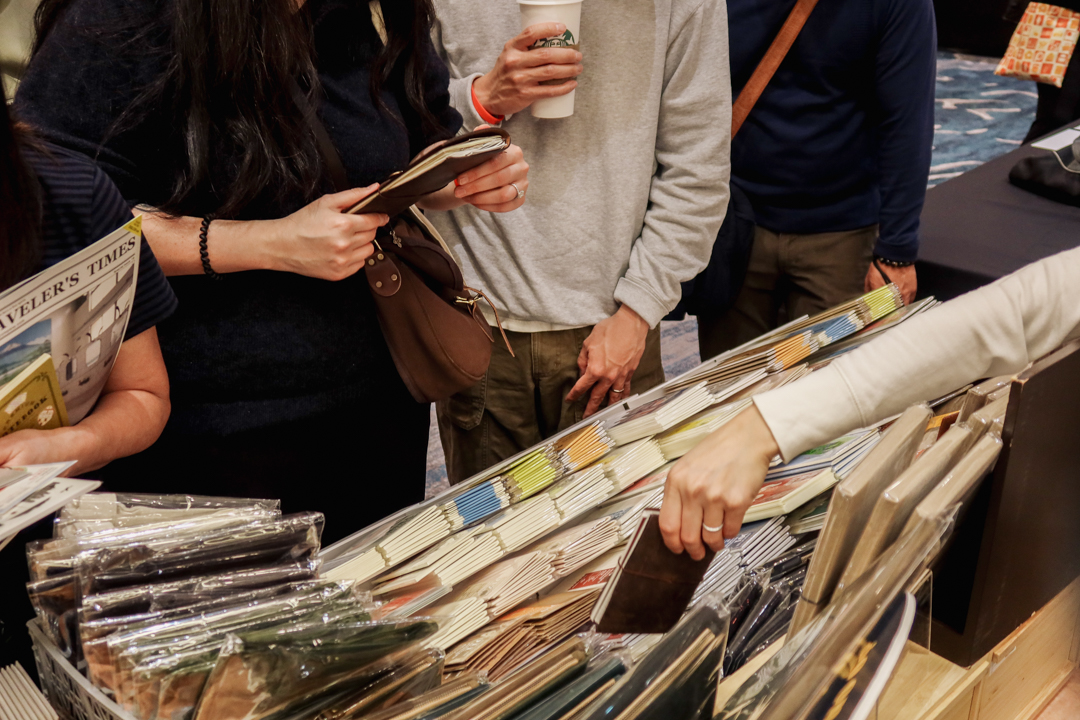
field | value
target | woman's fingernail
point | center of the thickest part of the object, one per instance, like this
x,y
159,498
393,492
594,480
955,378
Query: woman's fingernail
x,y
560,27
456,182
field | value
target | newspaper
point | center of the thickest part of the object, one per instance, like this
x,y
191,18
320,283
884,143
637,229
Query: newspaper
x,y
77,312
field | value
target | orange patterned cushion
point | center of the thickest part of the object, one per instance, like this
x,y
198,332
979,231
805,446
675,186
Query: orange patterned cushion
x,y
1042,45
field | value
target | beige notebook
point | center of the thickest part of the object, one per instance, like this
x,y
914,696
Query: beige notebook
x,y
896,504
981,420
853,500
959,484
976,397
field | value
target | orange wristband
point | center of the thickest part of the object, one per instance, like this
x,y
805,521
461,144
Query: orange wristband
x,y
484,114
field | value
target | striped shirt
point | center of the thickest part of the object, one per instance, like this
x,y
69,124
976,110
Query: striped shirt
x,y
81,206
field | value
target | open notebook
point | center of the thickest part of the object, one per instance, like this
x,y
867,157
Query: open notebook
x,y
434,170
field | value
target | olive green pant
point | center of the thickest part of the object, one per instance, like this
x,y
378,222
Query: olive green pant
x,y
522,400
789,276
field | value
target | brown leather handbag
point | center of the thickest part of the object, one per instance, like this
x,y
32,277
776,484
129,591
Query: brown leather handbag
x,y
440,342
438,338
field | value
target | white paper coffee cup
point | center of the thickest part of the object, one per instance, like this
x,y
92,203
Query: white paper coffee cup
x,y
569,14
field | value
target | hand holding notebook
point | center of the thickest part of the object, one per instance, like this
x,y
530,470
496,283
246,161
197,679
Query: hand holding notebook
x,y
433,170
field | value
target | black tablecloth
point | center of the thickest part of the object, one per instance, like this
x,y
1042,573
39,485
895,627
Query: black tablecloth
x,y
978,227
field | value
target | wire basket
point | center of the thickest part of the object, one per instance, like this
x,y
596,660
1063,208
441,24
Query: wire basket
x,y
71,694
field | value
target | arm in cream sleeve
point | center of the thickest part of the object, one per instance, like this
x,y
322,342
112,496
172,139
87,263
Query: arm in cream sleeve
x,y
995,330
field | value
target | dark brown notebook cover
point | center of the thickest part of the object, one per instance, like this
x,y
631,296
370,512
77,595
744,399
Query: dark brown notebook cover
x,y
652,586
394,196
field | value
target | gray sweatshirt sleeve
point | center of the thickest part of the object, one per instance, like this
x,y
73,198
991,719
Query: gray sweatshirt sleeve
x,y
460,88
689,193
995,330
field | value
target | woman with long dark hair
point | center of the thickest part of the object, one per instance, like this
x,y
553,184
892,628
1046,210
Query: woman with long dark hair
x,y
282,382
54,203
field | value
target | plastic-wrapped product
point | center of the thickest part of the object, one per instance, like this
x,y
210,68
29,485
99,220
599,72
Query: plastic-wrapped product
x,y
100,511
417,674
677,679
289,539
151,649
435,702
600,678
148,600
791,681
270,671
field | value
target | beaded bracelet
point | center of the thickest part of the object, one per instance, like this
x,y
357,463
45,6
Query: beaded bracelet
x,y
203,252
893,263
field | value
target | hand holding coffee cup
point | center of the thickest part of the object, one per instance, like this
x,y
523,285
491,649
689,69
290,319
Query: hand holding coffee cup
x,y
524,75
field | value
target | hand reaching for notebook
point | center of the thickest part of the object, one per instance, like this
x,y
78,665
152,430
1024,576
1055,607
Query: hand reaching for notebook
x,y
714,484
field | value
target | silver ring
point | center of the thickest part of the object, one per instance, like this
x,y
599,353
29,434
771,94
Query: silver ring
x,y
617,392
520,192
706,528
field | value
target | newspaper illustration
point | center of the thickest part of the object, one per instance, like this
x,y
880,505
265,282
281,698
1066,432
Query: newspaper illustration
x,y
67,322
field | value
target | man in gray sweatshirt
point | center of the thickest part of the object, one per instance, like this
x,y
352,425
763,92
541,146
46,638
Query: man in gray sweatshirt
x,y
625,199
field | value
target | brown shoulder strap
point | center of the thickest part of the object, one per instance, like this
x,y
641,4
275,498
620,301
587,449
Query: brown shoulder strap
x,y
768,65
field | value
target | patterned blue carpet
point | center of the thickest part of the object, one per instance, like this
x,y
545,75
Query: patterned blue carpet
x,y
979,116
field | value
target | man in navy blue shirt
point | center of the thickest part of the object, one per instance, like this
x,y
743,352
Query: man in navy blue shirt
x,y
834,157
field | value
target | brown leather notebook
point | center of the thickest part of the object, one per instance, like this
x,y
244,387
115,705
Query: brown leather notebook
x,y
433,171
652,586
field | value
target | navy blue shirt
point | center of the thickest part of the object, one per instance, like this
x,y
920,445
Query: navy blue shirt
x,y
81,206
841,137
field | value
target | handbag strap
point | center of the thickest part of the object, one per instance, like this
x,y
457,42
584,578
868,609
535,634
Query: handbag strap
x,y
767,67
330,156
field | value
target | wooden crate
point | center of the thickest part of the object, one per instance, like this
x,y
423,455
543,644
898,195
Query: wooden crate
x,y
1015,681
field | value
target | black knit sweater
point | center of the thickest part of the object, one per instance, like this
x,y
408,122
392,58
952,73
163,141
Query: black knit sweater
x,y
260,356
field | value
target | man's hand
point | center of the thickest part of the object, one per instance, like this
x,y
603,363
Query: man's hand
x,y
715,483
514,83
609,357
904,277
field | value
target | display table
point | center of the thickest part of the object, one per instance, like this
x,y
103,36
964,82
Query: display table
x,y
978,227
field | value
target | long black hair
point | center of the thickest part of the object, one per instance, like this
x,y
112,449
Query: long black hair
x,y
229,76
20,204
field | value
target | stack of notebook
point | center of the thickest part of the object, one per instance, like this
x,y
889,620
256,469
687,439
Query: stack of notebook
x,y
630,463
583,447
504,646
798,340
520,524
756,543
840,456
581,491
660,414
458,618
476,503
532,473
626,511
682,439
577,546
